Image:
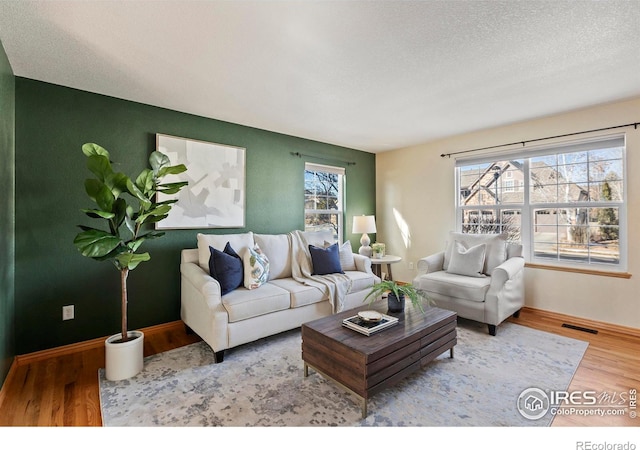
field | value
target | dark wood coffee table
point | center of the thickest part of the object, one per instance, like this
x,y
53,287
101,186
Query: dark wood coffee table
x,y
365,365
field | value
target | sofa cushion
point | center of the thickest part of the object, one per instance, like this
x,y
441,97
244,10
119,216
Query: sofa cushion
x,y
256,267
496,252
301,294
325,260
277,247
467,261
360,281
238,241
226,267
244,304
458,286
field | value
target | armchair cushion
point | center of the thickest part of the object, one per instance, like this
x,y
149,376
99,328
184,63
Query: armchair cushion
x,y
467,261
455,286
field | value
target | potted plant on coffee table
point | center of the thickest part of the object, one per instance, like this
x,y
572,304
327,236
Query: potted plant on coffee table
x,y
396,293
125,207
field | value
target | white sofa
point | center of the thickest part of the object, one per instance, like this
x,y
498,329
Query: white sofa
x,y
290,298
487,286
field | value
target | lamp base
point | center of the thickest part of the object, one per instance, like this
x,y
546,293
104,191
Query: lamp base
x,y
365,248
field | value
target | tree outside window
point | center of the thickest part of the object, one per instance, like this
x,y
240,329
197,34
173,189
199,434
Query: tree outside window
x,y
324,199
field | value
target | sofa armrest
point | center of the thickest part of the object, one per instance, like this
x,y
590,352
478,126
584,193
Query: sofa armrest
x,y
201,307
363,263
431,263
202,282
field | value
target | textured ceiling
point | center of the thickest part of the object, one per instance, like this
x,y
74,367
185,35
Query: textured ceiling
x,y
371,75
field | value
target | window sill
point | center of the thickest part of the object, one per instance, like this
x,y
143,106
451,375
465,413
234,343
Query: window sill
x,y
601,273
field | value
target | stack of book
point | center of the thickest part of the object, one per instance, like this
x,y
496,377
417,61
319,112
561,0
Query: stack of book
x,y
369,327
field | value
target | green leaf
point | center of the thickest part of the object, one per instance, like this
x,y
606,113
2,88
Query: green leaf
x,y
133,190
100,166
94,149
95,243
98,214
145,181
158,160
117,182
99,193
119,209
131,260
171,188
172,170
162,210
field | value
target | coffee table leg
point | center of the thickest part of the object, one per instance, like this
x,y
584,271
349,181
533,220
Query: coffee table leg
x,y
363,402
451,352
306,370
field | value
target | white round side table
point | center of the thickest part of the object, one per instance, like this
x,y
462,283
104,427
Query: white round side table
x,y
376,264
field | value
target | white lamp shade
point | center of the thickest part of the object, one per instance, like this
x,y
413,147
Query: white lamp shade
x,y
364,224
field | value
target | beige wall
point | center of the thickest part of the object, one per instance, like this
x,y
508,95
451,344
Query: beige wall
x,y
415,211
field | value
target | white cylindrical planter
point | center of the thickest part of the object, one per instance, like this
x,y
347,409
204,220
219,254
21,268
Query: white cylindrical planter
x,y
124,359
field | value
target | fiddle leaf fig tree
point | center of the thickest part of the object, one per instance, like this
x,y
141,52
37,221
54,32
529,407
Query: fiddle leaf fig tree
x,y
124,206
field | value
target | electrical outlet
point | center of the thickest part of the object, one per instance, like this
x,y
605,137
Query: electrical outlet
x,y
67,312
411,265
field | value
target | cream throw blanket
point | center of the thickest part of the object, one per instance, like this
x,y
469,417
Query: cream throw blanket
x,y
335,285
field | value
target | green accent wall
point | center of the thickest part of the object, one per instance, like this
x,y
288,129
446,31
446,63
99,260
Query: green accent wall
x,y
52,123
7,203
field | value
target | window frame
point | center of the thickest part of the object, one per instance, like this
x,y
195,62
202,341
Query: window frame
x,y
341,197
528,208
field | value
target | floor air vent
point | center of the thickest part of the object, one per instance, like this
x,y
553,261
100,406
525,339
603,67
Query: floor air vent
x,y
576,327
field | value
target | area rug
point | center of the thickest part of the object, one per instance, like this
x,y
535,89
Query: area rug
x,y
261,384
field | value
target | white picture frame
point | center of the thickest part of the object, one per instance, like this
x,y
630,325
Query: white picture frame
x,y
215,195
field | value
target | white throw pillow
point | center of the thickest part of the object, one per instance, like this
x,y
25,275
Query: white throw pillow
x,y
496,252
238,242
256,267
467,261
346,255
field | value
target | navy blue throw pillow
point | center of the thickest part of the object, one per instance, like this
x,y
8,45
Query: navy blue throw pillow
x,y
227,268
325,260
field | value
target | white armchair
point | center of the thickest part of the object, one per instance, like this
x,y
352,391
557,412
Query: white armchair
x,y
479,276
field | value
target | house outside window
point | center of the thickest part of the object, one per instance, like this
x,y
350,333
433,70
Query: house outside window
x,y
566,203
324,199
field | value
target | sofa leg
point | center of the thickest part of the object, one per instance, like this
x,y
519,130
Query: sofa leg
x,y
492,330
188,330
219,356
517,314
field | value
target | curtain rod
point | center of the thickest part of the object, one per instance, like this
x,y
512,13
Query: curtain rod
x,y
635,125
300,155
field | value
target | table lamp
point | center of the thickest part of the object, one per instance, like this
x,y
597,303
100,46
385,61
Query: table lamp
x,y
364,224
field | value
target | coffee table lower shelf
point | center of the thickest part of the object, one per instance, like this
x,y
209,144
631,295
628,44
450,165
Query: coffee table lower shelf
x,y
364,365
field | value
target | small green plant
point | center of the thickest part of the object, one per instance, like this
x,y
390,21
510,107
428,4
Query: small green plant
x,y
124,206
400,290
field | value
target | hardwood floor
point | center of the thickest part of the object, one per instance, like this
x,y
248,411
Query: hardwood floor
x,y
62,389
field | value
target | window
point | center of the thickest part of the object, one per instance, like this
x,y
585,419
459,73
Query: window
x,y
324,199
566,204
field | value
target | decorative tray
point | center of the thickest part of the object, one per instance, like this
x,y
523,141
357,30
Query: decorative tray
x,y
364,322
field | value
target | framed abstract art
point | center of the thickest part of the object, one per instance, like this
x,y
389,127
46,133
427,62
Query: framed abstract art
x,y
215,195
